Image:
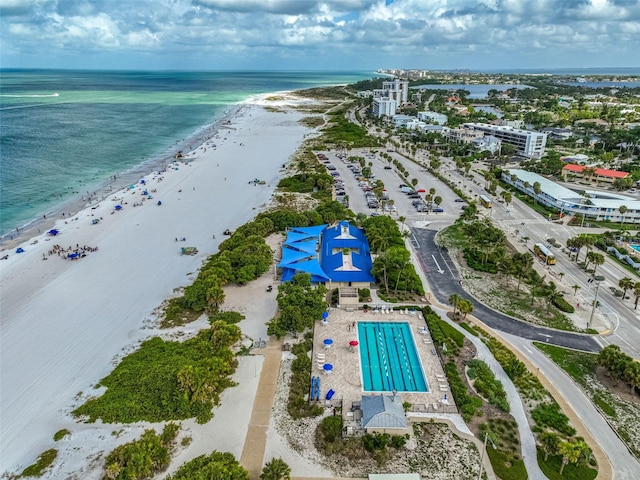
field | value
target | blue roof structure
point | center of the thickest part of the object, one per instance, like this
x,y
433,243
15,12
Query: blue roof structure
x,y
338,253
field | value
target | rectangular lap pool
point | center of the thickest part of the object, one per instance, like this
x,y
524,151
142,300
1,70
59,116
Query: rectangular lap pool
x,y
389,358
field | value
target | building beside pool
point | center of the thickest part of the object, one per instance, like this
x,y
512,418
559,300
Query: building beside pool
x,y
383,414
335,255
593,204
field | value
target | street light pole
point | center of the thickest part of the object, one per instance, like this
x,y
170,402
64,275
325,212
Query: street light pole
x,y
484,447
595,303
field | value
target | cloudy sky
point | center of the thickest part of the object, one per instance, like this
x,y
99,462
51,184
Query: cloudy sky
x,y
319,34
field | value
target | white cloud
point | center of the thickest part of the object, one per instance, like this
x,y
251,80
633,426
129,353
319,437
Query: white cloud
x,y
359,32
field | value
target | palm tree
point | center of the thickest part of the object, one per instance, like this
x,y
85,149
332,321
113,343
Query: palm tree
x,y
570,453
622,209
597,259
625,284
454,299
549,442
276,469
552,293
536,189
632,375
636,292
522,265
466,307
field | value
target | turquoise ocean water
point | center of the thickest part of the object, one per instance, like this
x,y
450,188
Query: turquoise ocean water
x,y
65,133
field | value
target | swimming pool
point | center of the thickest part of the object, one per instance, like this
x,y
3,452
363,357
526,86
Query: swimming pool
x,y
389,359
635,247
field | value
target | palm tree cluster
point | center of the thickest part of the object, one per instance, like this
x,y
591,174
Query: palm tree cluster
x,y
620,366
460,305
573,450
627,283
575,244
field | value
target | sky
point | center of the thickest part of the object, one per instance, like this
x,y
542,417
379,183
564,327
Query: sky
x,y
319,34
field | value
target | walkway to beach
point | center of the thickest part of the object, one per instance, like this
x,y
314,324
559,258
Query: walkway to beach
x,y
255,442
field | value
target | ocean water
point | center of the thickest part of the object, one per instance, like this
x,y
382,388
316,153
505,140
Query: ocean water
x,y
65,133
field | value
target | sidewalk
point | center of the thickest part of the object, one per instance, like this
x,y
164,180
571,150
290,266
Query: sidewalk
x,y
252,457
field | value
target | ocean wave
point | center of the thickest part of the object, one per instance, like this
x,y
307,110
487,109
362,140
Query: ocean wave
x,y
32,95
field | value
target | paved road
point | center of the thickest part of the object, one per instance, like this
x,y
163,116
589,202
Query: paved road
x,y
624,465
433,259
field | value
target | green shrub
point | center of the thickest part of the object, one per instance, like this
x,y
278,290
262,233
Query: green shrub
x,y
375,441
216,465
44,461
505,466
228,317
331,428
143,458
398,441
550,415
487,385
561,304
60,434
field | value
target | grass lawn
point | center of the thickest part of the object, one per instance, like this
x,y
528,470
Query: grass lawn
x,y
551,468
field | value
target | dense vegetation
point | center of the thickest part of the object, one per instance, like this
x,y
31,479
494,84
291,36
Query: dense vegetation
x,y
620,366
168,380
143,458
486,384
300,304
297,405
443,333
217,465
392,267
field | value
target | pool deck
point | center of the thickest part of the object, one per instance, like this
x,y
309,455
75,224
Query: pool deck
x,y
346,379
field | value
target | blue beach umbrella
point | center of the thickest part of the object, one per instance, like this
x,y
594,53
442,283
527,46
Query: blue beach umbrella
x,y
327,367
325,314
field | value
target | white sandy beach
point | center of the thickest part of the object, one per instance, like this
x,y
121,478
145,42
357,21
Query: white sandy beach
x,y
65,323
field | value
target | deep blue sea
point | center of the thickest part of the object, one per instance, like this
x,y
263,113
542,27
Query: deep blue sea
x,y
64,133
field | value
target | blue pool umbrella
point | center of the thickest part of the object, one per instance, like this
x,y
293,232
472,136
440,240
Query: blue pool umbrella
x,y
327,367
327,342
325,314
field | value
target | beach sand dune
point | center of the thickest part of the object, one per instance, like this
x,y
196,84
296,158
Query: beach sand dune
x,y
65,323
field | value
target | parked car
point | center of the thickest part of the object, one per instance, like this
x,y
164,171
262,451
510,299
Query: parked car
x,y
459,200
438,210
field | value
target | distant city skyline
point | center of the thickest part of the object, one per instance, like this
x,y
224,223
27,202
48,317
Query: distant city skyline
x,y
479,35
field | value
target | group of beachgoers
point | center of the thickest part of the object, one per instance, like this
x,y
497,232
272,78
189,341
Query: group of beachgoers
x,y
70,253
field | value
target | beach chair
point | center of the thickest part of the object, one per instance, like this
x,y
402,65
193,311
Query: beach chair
x,y
320,356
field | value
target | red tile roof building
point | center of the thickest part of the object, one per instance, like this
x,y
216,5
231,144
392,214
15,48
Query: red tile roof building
x,y
592,174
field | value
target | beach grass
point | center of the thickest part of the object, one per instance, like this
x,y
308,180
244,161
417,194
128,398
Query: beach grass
x,y
44,461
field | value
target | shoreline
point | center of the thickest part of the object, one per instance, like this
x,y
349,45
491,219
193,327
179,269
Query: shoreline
x,y
66,324
73,205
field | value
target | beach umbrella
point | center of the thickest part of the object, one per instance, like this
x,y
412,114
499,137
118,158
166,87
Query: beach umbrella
x,y
353,344
327,367
19,250
53,232
325,314
118,207
327,342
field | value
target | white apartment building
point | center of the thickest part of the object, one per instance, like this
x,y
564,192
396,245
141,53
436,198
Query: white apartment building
x,y
529,144
433,117
383,106
397,89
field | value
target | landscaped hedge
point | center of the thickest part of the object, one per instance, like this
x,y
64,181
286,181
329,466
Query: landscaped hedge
x,y
561,304
442,332
486,384
468,404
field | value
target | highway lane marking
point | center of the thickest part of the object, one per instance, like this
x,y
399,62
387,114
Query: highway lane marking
x,y
440,270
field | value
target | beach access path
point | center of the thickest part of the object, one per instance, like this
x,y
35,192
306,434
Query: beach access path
x,y
65,324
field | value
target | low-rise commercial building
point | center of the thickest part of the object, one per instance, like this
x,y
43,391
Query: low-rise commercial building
x,y
592,174
594,205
